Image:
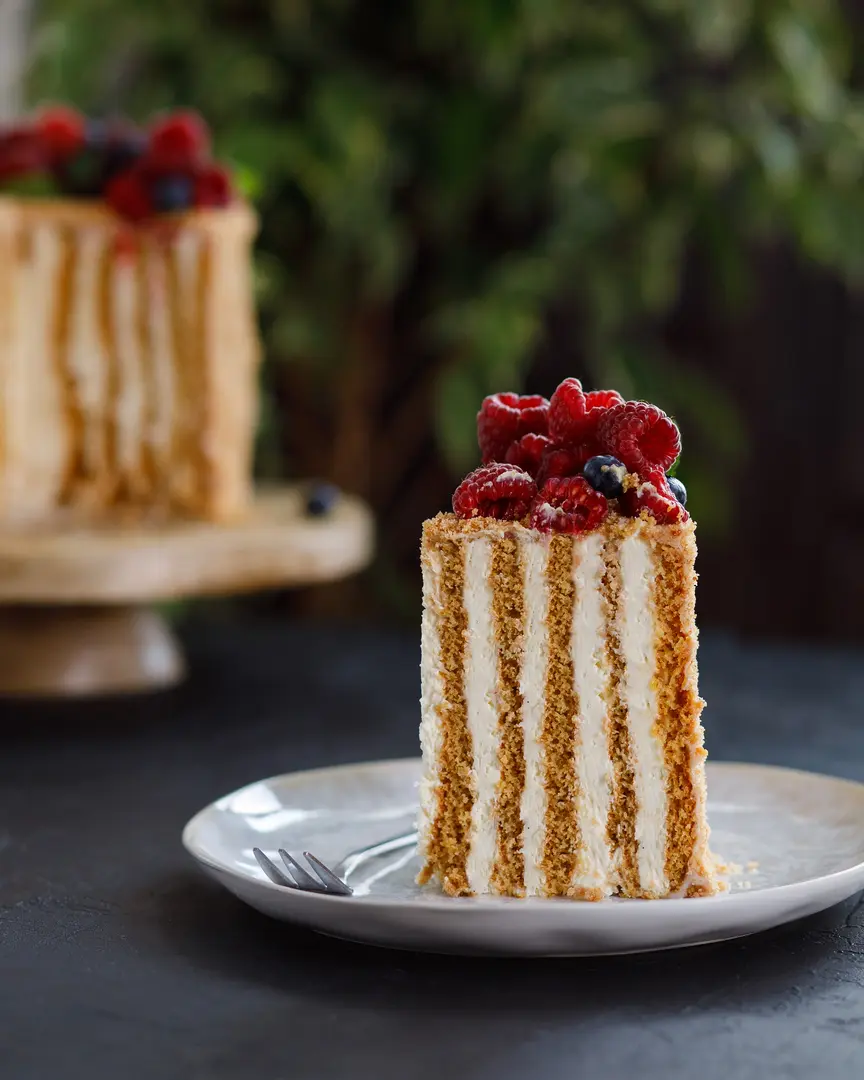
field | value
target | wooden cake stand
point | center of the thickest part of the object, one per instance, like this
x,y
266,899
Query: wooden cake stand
x,y
77,616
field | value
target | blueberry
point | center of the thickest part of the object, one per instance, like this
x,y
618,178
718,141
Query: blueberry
x,y
606,475
677,489
320,499
120,152
173,192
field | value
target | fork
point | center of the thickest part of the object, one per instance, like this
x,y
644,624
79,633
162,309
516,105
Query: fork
x,y
327,881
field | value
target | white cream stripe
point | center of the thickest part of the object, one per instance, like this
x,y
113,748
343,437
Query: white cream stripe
x,y
481,692
535,554
431,696
130,401
637,647
86,355
162,357
591,674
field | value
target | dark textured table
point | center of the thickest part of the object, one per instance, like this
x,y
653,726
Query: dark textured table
x,y
119,959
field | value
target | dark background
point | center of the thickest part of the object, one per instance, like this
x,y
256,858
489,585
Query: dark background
x,y
460,199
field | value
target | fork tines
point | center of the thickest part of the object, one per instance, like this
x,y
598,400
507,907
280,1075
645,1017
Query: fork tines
x,y
298,878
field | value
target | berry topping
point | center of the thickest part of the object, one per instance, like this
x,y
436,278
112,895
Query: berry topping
x,y
128,194
212,187
61,132
320,499
641,435
568,505
582,450
166,169
565,460
172,192
574,415
606,475
527,452
677,489
178,141
504,418
497,490
655,496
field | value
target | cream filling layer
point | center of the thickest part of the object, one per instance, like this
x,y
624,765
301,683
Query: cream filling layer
x,y
130,401
162,356
87,358
481,699
637,646
535,660
590,675
431,697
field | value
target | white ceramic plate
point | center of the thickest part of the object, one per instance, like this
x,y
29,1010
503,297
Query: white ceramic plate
x,y
804,832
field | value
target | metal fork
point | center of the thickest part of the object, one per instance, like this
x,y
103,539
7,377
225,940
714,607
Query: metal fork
x,y
327,881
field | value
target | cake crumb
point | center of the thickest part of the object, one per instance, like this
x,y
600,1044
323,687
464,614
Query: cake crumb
x,y
727,868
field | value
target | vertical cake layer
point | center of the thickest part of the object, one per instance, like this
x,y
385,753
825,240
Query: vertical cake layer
x,y
679,707
637,614
559,732
136,367
593,877
481,676
560,728
621,823
448,788
508,606
535,662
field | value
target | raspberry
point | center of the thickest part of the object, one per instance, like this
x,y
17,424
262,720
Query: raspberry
x,y
565,460
641,435
566,412
602,399
504,418
21,152
574,415
527,452
568,505
655,496
497,491
129,196
212,187
178,141
61,131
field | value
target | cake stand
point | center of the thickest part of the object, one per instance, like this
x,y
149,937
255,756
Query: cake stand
x,y
77,615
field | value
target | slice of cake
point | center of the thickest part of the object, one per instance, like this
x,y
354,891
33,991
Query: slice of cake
x,y
561,731
128,340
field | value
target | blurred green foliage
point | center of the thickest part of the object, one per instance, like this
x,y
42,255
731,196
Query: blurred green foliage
x,y
492,160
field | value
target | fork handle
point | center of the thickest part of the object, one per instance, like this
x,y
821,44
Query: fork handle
x,y
356,858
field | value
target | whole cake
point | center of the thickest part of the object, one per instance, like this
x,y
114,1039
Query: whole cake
x,y
562,744
128,341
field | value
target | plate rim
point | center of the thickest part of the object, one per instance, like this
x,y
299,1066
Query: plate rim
x,y
500,903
